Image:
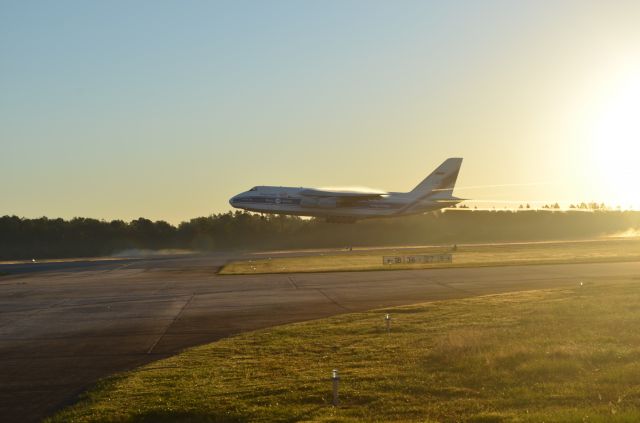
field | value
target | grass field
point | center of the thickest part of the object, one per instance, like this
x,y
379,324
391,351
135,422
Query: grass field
x,y
554,355
465,256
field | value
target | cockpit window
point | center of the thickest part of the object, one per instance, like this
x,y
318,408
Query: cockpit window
x,y
254,189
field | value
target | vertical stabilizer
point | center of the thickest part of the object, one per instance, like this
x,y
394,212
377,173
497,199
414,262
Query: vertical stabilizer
x,y
442,180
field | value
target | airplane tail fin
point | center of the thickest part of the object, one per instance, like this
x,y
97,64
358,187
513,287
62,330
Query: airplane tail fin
x,y
442,180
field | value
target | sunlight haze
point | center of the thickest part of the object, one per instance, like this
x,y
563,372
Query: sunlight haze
x,y
117,110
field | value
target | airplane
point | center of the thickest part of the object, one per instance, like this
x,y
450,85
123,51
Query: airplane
x,y
348,206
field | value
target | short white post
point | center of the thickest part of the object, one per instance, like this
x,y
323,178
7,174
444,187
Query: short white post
x,y
335,378
387,321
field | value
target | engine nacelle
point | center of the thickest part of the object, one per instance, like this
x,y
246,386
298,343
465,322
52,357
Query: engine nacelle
x,y
309,202
328,203
325,203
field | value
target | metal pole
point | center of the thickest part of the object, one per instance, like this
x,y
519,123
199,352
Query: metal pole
x,y
335,378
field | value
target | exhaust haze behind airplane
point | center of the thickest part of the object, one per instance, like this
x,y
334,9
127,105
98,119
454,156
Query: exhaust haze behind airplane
x,y
347,206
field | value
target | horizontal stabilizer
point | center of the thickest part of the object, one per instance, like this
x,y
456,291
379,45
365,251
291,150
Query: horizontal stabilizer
x,y
450,200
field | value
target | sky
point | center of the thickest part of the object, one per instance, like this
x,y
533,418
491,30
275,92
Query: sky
x,y
166,109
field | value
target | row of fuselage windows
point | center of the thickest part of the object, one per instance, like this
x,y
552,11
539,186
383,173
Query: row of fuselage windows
x,y
268,200
296,201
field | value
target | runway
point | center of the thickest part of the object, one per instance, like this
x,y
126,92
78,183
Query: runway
x,y
63,328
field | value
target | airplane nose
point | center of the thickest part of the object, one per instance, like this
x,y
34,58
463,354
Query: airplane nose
x,y
232,201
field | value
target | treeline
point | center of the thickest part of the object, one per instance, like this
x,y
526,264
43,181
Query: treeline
x,y
22,238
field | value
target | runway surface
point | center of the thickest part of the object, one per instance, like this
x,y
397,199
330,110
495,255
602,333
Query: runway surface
x,y
64,327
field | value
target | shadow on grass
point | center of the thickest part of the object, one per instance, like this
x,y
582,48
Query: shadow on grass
x,y
167,416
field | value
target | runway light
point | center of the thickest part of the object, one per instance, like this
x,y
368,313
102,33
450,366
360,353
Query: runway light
x,y
387,321
335,379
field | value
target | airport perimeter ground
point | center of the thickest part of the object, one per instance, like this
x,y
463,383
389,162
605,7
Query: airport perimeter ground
x,y
70,324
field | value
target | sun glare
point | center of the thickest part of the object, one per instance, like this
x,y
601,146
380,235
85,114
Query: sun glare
x,y
617,146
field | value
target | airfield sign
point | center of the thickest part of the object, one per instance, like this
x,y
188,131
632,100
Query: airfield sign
x,y
418,259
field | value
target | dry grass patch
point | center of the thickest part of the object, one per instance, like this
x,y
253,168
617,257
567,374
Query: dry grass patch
x,y
554,355
465,256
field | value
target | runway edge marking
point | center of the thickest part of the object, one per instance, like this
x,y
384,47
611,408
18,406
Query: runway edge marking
x,y
292,282
332,300
175,319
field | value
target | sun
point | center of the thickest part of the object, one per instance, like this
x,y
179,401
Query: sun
x,y
616,145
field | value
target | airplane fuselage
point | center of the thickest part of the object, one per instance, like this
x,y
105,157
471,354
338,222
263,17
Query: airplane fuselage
x,y
290,201
433,193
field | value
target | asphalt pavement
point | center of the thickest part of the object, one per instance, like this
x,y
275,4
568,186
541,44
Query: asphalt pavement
x,y
63,327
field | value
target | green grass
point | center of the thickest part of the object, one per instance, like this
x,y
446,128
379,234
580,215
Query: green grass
x,y
553,355
465,256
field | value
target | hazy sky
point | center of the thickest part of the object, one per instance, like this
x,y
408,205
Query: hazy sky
x,y
164,109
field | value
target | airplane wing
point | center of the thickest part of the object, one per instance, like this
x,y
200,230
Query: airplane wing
x,y
339,194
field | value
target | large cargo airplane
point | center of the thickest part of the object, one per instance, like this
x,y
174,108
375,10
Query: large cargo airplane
x,y
348,206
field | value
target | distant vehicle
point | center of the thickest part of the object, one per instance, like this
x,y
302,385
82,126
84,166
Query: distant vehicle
x,y
348,206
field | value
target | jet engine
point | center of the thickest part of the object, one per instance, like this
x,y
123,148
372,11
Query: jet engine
x,y
309,202
325,203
